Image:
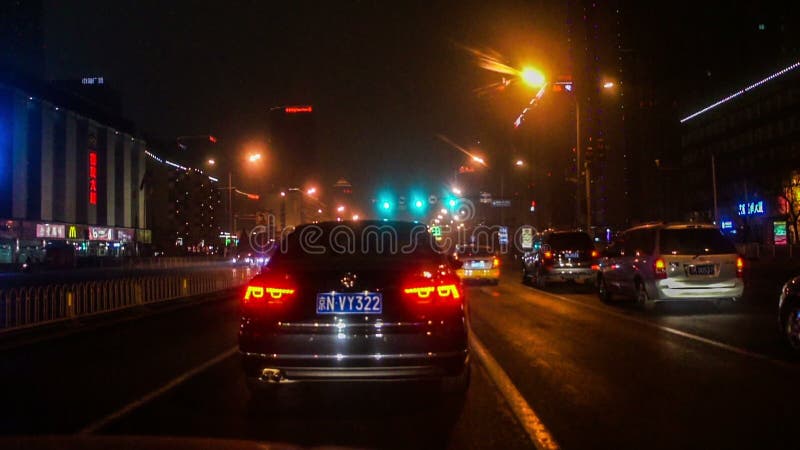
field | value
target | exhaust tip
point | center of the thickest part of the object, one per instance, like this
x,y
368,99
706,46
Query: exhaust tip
x,y
271,375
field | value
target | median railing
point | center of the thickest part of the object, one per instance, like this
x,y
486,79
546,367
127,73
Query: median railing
x,y
29,306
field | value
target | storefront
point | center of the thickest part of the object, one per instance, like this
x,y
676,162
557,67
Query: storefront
x,y
32,243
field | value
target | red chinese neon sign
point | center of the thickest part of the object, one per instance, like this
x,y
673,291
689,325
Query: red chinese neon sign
x,y
93,178
298,109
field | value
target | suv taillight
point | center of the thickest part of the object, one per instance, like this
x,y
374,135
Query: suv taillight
x,y
434,287
266,292
739,267
660,268
495,262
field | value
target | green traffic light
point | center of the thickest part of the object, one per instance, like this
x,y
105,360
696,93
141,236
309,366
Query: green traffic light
x,y
387,205
452,203
418,204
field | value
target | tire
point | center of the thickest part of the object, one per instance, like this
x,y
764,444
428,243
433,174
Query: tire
x,y
526,278
643,298
790,326
602,290
456,384
261,393
541,283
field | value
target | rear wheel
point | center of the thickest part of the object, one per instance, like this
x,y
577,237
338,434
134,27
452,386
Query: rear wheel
x,y
643,298
602,290
526,277
456,384
791,326
541,283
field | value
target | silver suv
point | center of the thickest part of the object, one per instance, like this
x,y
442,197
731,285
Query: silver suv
x,y
671,262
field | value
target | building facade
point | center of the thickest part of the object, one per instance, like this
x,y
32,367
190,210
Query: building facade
x,y
66,176
746,148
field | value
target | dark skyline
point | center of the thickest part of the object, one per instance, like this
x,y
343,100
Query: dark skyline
x,y
384,81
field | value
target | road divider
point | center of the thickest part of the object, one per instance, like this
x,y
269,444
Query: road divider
x,y
30,306
152,395
527,417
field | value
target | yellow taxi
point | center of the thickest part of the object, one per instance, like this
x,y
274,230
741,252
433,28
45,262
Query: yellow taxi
x,y
478,263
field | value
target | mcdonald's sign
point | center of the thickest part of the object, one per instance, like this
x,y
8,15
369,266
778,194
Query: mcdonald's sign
x,y
72,232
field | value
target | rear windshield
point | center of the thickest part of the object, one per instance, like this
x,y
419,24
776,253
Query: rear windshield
x,y
475,251
695,241
569,241
363,243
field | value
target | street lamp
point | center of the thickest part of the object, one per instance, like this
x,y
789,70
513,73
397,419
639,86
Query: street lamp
x,y
340,208
519,163
311,191
535,78
532,77
253,157
211,162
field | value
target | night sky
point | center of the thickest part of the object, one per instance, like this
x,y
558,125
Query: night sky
x,y
384,77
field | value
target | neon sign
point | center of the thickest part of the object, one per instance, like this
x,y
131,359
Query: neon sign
x,y
46,230
298,109
751,208
93,178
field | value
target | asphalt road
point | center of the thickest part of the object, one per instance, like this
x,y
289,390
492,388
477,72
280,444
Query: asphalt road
x,y
596,375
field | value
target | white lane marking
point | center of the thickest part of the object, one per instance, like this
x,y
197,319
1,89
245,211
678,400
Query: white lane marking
x,y
532,424
152,395
675,331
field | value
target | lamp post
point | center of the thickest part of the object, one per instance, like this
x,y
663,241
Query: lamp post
x,y
535,78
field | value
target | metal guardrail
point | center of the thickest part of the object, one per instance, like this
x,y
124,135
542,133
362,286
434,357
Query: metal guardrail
x,y
23,307
768,251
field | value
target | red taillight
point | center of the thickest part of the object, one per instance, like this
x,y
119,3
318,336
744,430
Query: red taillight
x,y
660,268
595,254
739,267
434,287
269,291
496,262
548,254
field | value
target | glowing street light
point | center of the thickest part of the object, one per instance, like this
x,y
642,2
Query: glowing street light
x,y
355,216
211,161
319,211
519,163
340,208
478,160
608,85
311,191
456,191
283,194
532,77
443,211
254,157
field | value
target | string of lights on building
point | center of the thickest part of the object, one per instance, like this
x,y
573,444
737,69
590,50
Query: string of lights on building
x,y
742,91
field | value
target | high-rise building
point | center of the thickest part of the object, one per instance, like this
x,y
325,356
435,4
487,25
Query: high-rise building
x,y
293,144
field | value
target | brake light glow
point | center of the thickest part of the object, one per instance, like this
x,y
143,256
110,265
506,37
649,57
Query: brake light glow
x,y
496,262
739,267
660,268
548,254
595,254
274,294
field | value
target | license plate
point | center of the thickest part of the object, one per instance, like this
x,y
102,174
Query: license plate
x,y
573,255
702,270
478,265
350,303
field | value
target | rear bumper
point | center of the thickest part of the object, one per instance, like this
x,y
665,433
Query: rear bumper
x,y
663,291
564,274
478,274
276,368
398,350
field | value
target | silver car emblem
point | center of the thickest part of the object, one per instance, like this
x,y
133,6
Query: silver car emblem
x,y
349,280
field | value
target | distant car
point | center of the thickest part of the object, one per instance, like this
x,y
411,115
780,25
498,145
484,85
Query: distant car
x,y
671,262
789,313
333,305
478,263
560,256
